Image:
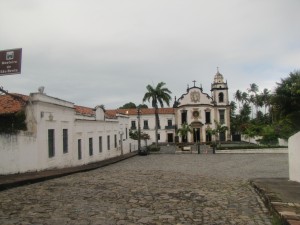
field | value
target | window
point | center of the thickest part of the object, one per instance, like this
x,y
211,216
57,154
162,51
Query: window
x,y
108,142
183,117
133,125
51,143
65,140
207,117
222,116
91,146
79,149
169,123
116,144
100,144
158,137
221,97
146,126
126,133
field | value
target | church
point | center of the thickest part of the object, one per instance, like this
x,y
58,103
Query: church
x,y
195,107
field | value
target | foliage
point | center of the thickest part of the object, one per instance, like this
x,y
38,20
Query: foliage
x,y
286,103
12,123
142,106
135,135
269,136
219,128
250,132
157,96
129,105
183,131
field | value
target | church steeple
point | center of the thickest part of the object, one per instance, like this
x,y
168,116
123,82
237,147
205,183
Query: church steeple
x,y
219,89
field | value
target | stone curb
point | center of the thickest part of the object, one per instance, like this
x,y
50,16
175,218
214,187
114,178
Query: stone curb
x,y
254,151
288,213
16,180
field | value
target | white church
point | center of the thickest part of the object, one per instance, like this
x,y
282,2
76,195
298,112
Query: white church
x,y
195,107
60,134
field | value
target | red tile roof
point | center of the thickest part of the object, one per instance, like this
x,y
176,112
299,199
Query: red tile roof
x,y
90,112
149,111
84,110
10,104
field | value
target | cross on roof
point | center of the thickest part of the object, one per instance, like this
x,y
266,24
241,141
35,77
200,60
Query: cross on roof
x,y
194,82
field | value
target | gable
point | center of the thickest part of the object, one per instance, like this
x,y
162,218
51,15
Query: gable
x,y
195,96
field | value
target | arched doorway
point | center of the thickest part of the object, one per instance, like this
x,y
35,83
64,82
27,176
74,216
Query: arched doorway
x,y
196,126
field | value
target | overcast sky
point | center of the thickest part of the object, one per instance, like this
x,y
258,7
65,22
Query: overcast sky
x,y
94,52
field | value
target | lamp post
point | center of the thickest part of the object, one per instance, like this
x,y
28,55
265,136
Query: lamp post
x,y
139,129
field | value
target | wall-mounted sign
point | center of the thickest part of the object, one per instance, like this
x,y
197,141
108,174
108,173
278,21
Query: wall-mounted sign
x,y
10,61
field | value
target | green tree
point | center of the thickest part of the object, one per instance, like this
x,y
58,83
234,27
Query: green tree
x,y
157,96
183,131
135,135
219,128
142,106
238,96
129,105
286,102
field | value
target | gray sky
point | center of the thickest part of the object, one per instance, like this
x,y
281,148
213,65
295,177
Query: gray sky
x,y
94,52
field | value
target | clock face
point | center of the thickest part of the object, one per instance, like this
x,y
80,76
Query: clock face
x,y
196,114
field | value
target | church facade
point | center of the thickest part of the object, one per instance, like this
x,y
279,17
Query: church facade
x,y
195,107
202,111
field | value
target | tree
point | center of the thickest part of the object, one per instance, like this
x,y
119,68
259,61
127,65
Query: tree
x,y
157,95
184,130
286,102
129,105
142,106
266,98
244,98
219,128
238,96
135,136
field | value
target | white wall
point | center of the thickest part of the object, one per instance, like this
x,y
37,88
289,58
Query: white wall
x,y
18,153
28,151
294,157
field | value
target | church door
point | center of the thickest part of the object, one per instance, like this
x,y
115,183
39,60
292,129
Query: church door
x,y
196,135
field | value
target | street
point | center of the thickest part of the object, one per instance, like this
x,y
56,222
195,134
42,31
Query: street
x,y
153,189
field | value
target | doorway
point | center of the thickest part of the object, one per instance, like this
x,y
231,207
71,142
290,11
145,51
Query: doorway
x,y
170,138
196,135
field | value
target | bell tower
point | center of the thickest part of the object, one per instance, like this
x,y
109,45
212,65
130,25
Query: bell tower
x,y
219,89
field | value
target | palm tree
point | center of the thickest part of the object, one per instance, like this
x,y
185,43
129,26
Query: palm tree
x,y
238,97
253,89
219,129
266,98
157,95
244,98
183,131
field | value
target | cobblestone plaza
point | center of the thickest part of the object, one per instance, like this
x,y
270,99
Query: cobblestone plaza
x,y
154,189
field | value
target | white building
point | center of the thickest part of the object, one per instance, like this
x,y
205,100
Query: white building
x,y
194,107
59,134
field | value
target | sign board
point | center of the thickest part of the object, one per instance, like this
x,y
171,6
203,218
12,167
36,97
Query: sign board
x,y
10,61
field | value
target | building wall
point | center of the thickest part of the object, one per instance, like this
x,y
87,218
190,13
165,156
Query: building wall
x,y
29,151
294,157
18,153
162,131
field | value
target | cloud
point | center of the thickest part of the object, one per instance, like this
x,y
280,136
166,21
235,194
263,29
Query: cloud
x,y
106,52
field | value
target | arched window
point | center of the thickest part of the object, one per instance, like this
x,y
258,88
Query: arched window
x,y
221,97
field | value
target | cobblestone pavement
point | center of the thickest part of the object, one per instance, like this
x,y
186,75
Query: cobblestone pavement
x,y
154,189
